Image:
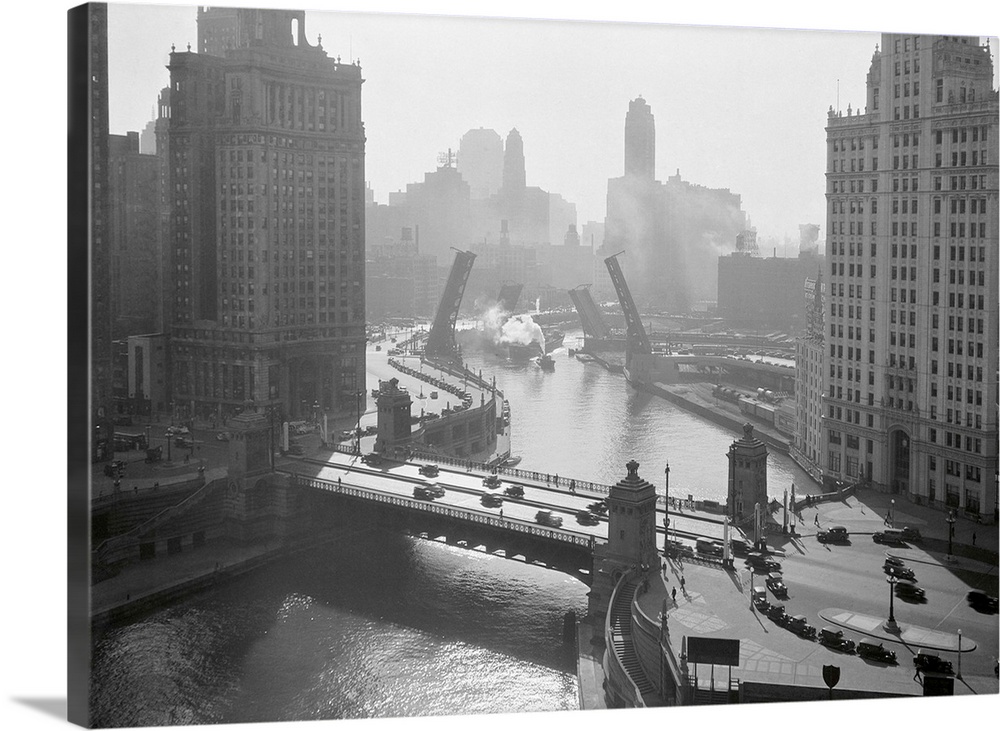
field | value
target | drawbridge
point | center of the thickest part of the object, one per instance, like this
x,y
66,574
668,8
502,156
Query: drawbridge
x,y
441,338
590,314
636,340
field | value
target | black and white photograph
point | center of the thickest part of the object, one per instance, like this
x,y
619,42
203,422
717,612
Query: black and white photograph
x,y
451,366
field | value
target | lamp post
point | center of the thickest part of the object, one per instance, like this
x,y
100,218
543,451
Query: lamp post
x,y
666,508
357,430
891,624
892,513
951,530
958,675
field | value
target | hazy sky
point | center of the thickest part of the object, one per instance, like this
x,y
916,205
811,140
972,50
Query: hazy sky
x,y
737,108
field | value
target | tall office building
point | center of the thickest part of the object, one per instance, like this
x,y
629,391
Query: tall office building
x,y
640,140
912,350
266,239
480,161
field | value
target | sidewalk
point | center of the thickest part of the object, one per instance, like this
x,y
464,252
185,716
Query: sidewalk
x,y
908,634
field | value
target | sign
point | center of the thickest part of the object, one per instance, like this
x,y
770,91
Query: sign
x,y
713,651
831,676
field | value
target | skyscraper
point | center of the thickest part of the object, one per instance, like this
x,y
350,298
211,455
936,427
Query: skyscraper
x,y
266,239
911,375
480,161
640,140
513,164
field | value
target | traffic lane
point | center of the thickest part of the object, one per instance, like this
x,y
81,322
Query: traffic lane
x,y
459,496
851,577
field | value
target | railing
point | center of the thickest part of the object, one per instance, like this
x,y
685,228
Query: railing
x,y
471,516
622,672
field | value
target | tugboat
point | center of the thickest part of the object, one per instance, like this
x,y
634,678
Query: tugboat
x,y
546,363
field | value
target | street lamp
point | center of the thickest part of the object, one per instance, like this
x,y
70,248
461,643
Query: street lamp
x,y
892,513
357,431
959,673
891,624
666,509
951,530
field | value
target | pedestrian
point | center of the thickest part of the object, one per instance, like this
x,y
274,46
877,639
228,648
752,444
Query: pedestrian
x,y
673,594
816,519
338,482
501,513
682,584
973,538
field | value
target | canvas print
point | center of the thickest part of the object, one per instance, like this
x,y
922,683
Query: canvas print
x,y
444,366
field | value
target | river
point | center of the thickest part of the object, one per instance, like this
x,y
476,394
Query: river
x,y
384,625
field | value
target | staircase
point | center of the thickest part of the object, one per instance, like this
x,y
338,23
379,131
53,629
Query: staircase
x,y
621,637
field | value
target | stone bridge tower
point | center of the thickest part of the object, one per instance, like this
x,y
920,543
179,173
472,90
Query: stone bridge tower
x,y
257,502
631,536
747,476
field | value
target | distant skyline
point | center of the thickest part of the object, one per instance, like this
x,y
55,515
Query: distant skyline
x,y
737,108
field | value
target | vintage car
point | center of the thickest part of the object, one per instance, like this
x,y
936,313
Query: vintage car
x,y
492,481
776,583
429,470
799,624
600,507
585,517
871,650
906,590
760,599
890,536
298,449
834,639
175,430
676,548
981,601
372,459
930,662
183,442
491,500
514,491
900,572
761,563
893,561
911,534
776,612
545,517
836,534
222,436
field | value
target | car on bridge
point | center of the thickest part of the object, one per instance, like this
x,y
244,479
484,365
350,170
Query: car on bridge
x,y
545,517
372,459
930,662
515,491
492,481
429,470
835,640
428,491
871,650
599,507
585,517
491,500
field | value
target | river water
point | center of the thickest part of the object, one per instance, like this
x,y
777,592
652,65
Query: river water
x,y
384,625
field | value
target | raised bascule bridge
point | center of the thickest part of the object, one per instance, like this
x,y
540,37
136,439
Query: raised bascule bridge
x,y
441,343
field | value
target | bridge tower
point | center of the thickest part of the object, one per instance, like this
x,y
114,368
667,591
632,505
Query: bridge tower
x,y
441,338
394,405
747,476
257,503
631,535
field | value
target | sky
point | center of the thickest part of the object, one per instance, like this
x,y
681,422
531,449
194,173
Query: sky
x,y
737,108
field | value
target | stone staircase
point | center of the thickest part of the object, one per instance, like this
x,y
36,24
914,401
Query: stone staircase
x,y
621,638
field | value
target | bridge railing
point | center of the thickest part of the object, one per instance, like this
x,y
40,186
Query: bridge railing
x,y
448,511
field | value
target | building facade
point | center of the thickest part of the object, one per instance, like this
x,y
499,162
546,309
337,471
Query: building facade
x,y
912,351
266,232
810,357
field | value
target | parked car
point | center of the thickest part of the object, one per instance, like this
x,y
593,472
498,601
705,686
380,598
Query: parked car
x,y
760,599
430,470
930,662
799,624
491,500
871,650
911,534
585,517
891,536
775,582
708,547
115,468
981,601
545,517
514,491
835,534
777,613
906,590
834,639
900,572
